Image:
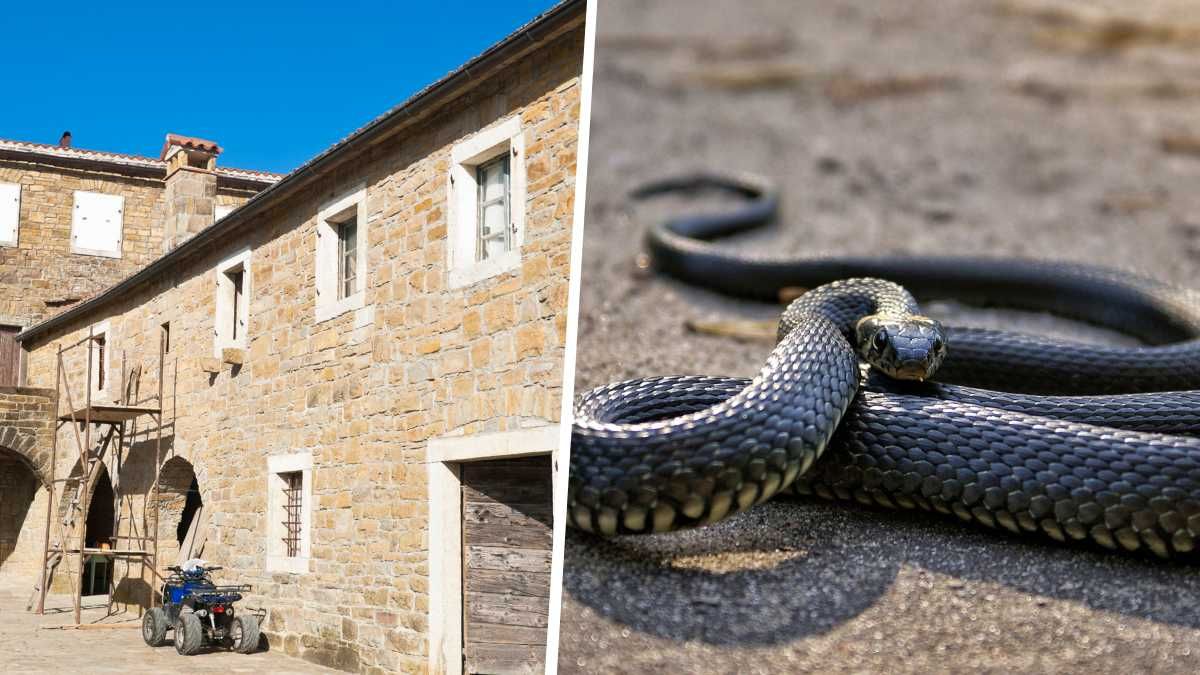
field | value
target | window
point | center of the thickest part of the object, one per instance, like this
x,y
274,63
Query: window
x,y
232,318
10,213
96,224
166,337
10,357
347,257
486,214
289,507
495,232
101,342
236,276
342,255
101,355
293,497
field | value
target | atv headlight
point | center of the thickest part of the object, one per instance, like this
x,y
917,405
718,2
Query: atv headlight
x,y
202,612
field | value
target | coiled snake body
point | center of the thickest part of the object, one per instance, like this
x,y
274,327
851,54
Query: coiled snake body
x,y
1049,437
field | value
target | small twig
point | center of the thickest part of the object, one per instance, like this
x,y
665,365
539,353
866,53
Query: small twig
x,y
739,329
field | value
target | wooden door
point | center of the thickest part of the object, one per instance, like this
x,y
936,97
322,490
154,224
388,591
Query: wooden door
x,y
10,356
507,538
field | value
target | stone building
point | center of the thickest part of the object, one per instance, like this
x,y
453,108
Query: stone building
x,y
75,221
361,378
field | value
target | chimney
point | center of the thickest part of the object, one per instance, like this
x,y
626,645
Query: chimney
x,y
65,140
191,189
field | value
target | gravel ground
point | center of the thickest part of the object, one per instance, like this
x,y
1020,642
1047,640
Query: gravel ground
x,y
26,646
1018,128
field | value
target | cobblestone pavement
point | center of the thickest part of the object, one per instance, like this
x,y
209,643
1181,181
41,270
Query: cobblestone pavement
x,y
1012,127
27,647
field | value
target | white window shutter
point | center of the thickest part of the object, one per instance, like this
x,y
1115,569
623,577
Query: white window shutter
x,y
96,226
10,213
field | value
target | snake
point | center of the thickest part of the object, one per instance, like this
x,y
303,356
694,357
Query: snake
x,y
865,398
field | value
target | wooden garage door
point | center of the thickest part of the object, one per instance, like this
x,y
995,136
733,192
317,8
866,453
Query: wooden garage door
x,y
10,356
506,564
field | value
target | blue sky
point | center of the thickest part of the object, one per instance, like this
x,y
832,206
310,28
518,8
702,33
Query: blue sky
x,y
273,83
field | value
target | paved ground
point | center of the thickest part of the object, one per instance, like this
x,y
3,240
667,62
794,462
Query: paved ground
x,y
27,647
918,126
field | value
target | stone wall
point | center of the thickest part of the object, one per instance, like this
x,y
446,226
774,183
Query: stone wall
x,y
365,390
41,275
26,428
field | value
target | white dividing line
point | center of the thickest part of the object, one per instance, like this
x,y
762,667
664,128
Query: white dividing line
x,y
568,388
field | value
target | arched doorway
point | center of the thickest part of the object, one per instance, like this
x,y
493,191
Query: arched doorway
x,y
98,534
18,487
180,512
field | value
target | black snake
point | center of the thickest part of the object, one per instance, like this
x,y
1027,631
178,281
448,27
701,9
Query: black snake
x,y
1055,441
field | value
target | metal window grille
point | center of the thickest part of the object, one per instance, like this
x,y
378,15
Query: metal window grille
x,y
494,215
347,257
293,493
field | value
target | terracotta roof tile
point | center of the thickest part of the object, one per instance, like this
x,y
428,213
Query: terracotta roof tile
x,y
190,143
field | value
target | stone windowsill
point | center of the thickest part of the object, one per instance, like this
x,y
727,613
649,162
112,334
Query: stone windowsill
x,y
478,271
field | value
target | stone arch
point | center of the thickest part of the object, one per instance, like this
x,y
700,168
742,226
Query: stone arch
x,y
29,427
24,442
97,529
98,532
19,486
179,502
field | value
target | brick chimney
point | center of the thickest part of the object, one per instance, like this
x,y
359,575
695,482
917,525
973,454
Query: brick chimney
x,y
191,190
64,141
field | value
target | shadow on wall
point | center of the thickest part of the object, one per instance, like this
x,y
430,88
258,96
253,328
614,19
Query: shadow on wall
x,y
132,591
18,487
790,569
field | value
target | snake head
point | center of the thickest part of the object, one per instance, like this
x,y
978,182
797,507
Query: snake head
x,y
905,348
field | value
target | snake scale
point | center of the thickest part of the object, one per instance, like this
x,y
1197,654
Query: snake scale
x,y
864,398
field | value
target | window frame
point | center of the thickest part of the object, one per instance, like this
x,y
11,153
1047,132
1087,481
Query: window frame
x,y
228,313
464,266
277,558
330,302
10,214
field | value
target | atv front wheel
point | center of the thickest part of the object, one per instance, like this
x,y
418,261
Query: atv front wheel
x,y
189,634
245,633
154,627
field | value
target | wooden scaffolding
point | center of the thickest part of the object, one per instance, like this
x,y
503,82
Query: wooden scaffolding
x,y
99,431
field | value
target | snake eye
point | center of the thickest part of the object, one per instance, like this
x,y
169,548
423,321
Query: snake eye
x,y
880,339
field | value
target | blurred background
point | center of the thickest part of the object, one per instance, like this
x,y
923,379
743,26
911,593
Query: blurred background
x,y
1008,127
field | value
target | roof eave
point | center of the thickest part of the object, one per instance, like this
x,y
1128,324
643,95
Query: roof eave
x,y
552,23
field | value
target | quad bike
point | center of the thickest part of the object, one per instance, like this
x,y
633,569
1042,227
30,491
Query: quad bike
x,y
200,613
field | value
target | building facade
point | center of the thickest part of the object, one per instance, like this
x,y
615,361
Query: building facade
x,y
73,222
360,380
